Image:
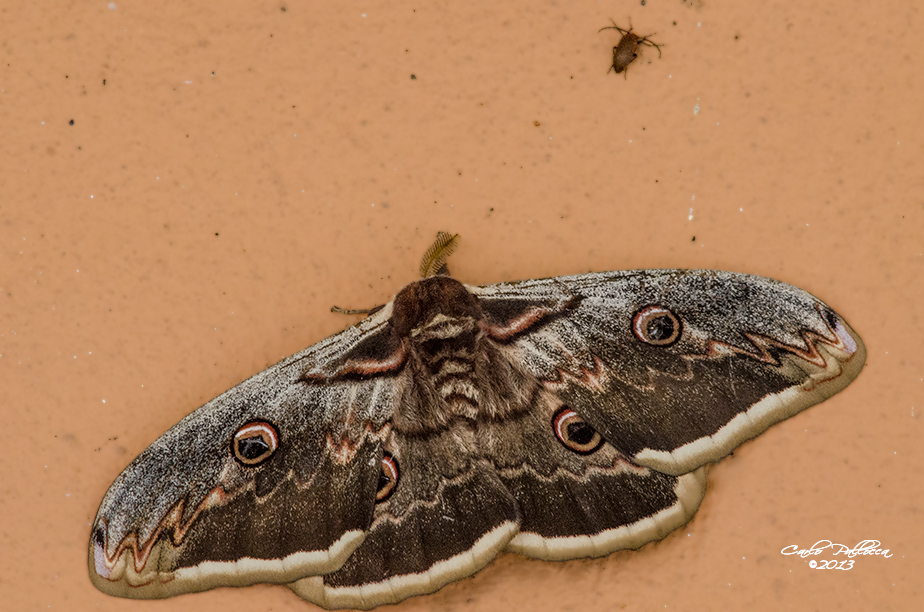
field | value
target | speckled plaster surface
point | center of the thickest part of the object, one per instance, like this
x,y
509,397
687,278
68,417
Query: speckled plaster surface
x,y
187,187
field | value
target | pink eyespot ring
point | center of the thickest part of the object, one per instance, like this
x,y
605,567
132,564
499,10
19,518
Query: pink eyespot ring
x,y
575,433
657,326
254,443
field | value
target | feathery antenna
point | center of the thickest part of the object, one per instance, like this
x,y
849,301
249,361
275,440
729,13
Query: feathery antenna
x,y
434,260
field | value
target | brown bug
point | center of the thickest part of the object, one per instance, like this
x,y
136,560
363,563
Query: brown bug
x,y
625,52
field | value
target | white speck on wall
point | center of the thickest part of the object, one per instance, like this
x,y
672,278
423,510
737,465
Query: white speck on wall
x,y
690,218
112,6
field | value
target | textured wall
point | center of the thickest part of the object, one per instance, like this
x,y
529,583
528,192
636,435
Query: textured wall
x,y
187,187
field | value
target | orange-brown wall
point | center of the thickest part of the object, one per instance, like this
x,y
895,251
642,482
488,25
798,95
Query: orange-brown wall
x,y
233,169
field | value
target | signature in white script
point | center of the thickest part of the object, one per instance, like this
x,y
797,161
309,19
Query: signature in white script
x,y
866,547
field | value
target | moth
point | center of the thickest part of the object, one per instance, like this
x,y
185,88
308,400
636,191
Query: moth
x,y
626,50
558,418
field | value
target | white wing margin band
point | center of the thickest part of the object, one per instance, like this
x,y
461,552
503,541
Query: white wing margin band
x,y
397,588
123,581
841,368
689,490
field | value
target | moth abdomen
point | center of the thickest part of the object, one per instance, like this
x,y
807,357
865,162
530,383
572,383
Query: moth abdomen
x,y
454,366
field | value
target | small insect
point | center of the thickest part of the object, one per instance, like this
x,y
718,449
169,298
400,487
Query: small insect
x,y
625,52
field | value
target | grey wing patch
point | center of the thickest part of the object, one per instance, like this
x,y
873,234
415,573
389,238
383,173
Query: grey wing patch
x,y
751,352
192,512
448,516
583,502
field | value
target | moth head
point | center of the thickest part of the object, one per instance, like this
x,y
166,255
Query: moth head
x,y
254,443
419,304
